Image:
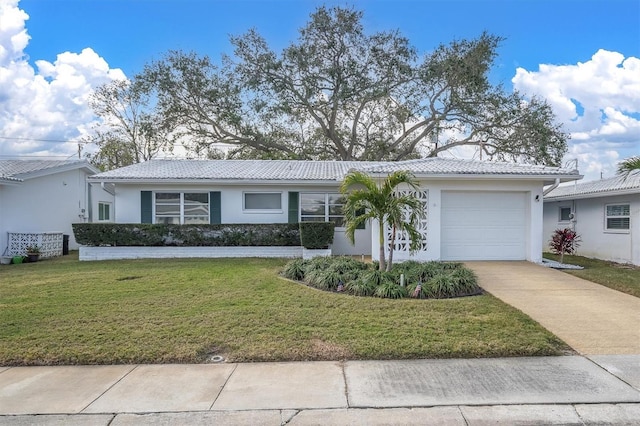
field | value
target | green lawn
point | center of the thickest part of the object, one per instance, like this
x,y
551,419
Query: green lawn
x,y
624,278
158,311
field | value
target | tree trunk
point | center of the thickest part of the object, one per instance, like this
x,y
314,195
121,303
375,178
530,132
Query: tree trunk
x,y
391,244
382,261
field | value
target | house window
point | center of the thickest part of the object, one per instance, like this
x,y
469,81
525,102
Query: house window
x,y
320,207
104,212
181,207
565,214
617,217
262,201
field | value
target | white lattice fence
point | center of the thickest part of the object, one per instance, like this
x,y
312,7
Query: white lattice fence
x,y
50,243
402,241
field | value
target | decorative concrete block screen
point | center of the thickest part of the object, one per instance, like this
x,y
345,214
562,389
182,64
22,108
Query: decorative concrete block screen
x,y
50,243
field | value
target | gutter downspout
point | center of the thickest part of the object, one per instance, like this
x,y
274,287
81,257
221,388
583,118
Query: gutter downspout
x,y
551,188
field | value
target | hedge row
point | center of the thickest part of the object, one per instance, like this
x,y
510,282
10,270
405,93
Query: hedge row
x,y
316,235
136,234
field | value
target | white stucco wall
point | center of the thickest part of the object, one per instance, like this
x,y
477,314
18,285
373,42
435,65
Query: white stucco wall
x,y
3,227
99,195
45,204
589,222
534,210
127,208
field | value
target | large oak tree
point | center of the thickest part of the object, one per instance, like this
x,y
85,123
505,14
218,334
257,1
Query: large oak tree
x,y
339,92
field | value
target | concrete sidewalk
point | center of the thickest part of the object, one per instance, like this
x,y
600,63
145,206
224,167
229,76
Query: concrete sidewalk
x,y
545,390
591,318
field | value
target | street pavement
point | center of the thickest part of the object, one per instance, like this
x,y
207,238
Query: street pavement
x,y
568,390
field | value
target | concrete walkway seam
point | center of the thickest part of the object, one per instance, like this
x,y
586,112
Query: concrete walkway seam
x,y
223,386
110,387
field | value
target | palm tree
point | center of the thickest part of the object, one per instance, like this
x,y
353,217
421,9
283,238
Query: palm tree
x,y
383,202
629,166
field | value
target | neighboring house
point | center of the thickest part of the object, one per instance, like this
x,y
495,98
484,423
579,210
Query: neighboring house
x,y
474,210
605,213
42,196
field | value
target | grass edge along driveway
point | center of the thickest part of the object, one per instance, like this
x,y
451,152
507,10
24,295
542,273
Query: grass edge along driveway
x,y
618,276
62,311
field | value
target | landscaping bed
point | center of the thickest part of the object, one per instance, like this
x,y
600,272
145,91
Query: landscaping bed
x,y
62,311
417,280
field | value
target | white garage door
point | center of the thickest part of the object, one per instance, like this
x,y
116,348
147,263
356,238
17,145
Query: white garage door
x,y
483,225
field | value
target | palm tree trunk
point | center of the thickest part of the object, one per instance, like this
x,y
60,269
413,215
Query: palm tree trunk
x,y
382,260
391,244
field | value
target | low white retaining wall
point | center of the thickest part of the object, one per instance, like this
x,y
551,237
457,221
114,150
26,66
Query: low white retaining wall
x,y
113,253
311,253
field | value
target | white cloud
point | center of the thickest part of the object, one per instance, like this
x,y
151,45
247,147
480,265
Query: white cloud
x,y
598,103
46,102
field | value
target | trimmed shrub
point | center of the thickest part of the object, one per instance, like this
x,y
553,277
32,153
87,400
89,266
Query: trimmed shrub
x,y
316,235
143,234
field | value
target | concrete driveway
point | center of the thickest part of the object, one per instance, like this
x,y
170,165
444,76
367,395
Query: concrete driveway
x,y
592,319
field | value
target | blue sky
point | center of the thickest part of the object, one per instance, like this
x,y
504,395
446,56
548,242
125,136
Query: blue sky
x,y
128,33
125,34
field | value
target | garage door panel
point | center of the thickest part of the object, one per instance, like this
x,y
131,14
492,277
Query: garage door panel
x,y
483,225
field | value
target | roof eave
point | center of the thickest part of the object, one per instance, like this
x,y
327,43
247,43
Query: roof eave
x,y
11,182
599,194
81,165
548,179
203,181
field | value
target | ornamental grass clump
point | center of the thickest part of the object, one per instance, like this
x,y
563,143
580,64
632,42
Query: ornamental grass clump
x,y
413,279
564,241
295,270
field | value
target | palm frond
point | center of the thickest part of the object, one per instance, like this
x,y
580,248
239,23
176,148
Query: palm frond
x,y
629,166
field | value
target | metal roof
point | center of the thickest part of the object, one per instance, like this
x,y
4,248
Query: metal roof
x,y
23,169
601,188
292,170
435,165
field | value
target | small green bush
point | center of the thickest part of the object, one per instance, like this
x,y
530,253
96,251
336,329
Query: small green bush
x,y
316,235
295,269
390,290
452,265
466,281
360,287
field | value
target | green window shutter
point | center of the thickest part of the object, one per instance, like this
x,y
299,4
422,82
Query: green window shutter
x,y
293,206
215,208
146,207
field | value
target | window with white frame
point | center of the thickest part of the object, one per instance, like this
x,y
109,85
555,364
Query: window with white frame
x,y
565,214
181,207
262,201
322,207
104,212
617,217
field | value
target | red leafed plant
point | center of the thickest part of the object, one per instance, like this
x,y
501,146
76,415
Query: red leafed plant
x,y
564,241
